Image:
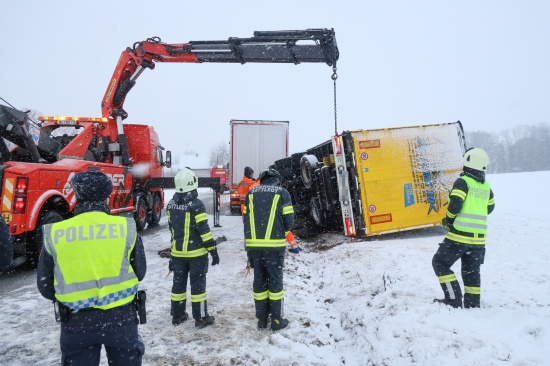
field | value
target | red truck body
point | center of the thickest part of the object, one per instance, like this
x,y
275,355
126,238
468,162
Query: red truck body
x,y
223,174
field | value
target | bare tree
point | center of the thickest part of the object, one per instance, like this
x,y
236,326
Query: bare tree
x,y
520,149
219,154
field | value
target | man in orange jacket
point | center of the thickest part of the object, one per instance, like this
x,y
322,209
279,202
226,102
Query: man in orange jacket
x,y
244,186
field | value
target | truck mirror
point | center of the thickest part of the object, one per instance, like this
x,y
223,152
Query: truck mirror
x,y
168,162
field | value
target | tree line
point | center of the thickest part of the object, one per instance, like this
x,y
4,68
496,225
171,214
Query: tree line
x,y
524,148
520,149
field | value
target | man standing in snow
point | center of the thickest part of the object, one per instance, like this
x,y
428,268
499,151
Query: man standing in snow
x,y
245,184
268,217
470,202
191,242
90,266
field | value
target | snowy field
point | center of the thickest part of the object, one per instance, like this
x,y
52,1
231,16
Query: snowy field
x,y
340,312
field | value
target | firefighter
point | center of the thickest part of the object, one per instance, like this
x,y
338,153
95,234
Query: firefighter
x,y
471,200
244,185
191,242
6,245
268,217
90,265
290,239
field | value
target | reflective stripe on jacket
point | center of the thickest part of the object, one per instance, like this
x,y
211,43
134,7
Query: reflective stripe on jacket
x,y
188,225
470,224
268,217
91,252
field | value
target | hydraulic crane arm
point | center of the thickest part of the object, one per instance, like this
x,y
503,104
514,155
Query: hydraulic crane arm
x,y
297,46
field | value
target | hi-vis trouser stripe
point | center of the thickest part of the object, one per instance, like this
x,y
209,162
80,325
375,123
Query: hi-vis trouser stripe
x,y
259,296
7,200
274,296
198,297
472,290
179,297
447,278
201,299
446,281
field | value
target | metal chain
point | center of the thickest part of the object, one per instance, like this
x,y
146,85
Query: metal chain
x,y
334,77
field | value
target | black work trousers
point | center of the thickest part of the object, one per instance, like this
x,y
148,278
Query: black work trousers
x,y
195,269
268,282
472,257
86,331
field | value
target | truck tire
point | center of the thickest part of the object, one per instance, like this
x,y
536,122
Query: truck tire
x,y
34,247
140,215
315,212
156,213
308,164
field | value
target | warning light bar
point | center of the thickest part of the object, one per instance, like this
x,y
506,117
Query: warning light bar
x,y
63,118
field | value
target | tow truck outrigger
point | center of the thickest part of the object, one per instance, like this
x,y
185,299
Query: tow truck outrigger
x,y
36,173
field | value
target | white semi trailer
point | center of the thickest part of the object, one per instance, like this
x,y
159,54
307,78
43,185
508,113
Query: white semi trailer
x,y
257,144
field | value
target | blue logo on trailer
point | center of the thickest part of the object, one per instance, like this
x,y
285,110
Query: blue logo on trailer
x,y
430,194
409,196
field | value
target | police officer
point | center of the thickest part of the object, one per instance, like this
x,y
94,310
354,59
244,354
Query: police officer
x,y
245,184
191,242
91,265
470,202
268,217
6,245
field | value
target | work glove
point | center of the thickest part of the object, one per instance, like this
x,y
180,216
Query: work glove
x,y
294,250
446,223
215,257
170,266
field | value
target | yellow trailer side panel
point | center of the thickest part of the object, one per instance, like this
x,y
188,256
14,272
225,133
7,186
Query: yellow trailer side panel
x,y
405,174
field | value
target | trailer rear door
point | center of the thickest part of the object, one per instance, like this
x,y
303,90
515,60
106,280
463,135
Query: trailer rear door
x,y
405,174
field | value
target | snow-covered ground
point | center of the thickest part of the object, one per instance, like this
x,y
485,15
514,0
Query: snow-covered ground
x,y
340,312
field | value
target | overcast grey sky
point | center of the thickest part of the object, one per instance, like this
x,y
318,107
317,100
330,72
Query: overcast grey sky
x,y
402,63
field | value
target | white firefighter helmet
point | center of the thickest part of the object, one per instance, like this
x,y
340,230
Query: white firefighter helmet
x,y
476,158
186,181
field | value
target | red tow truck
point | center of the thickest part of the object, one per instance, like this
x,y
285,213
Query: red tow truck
x,y
37,166
222,173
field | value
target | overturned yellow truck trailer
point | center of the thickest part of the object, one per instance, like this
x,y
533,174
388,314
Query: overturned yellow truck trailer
x,y
372,182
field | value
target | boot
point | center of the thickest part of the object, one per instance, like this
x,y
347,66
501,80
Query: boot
x,y
262,323
177,320
204,322
278,324
456,303
471,301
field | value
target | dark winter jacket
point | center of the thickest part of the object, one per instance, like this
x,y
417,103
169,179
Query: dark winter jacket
x,y
6,245
268,216
92,319
188,223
